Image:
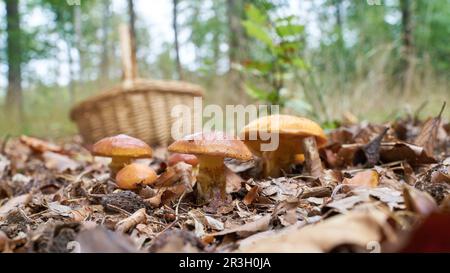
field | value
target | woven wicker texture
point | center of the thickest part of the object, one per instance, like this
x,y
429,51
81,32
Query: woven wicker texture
x,y
140,108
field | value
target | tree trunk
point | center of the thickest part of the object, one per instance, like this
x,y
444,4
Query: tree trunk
x,y
14,95
177,46
132,18
235,14
78,44
104,64
407,45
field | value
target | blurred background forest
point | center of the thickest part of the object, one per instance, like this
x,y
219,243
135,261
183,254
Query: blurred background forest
x,y
327,59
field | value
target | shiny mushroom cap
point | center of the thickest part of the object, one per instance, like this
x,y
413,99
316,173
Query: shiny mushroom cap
x,y
211,144
122,146
186,158
288,127
131,175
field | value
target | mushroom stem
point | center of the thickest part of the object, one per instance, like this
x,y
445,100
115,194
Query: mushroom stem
x,y
277,160
211,178
117,163
313,164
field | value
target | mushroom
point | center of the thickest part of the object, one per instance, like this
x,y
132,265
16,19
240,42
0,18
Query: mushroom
x,y
122,149
211,148
131,175
292,132
186,158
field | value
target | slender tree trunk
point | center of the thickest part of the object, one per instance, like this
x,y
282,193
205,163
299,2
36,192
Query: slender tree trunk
x,y
104,64
407,45
78,44
237,37
177,46
14,102
132,18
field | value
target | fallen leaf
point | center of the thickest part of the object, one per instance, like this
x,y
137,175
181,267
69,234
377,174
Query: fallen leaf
x,y
428,134
4,164
60,163
102,240
251,195
234,181
398,151
367,178
355,228
430,236
13,203
39,145
418,201
261,224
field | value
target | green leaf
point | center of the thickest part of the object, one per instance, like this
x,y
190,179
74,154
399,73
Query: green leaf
x,y
255,92
299,63
257,32
255,15
289,30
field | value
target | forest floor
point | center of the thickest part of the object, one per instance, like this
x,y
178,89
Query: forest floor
x,y
384,187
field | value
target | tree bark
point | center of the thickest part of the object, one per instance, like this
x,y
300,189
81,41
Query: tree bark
x,y
407,44
236,51
177,46
14,94
132,18
104,64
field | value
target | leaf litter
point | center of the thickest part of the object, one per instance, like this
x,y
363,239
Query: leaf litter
x,y
385,184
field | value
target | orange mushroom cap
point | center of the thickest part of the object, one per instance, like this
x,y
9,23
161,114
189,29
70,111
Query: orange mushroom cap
x,y
288,127
122,146
186,158
212,144
131,175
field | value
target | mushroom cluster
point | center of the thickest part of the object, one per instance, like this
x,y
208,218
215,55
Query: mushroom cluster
x,y
291,130
206,151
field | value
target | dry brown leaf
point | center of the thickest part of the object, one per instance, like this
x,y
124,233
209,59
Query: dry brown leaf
x,y
59,162
102,240
355,228
260,224
234,181
428,134
39,145
251,196
367,178
399,151
13,203
419,201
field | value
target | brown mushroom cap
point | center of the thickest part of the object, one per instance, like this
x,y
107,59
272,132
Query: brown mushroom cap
x,y
288,127
211,144
122,146
131,175
186,158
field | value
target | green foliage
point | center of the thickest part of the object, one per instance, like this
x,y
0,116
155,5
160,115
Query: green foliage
x,y
281,41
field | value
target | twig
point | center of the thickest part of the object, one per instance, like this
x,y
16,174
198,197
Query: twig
x,y
119,209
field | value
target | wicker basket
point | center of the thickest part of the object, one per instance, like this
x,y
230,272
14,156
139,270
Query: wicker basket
x,y
139,108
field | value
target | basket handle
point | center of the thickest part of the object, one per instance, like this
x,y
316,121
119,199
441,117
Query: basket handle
x,y
129,64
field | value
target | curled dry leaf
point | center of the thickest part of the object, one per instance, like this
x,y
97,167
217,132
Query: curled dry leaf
x,y
251,195
4,241
355,228
398,151
418,201
129,223
428,133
